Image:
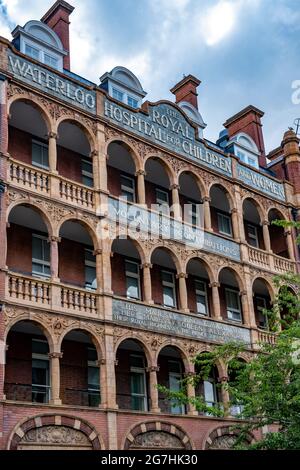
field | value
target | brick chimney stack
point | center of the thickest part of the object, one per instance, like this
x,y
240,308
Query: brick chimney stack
x,y
57,18
249,121
291,155
186,90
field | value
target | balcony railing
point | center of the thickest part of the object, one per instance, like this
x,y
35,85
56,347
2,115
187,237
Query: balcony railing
x,y
266,337
259,257
28,289
283,265
79,300
76,193
270,261
29,177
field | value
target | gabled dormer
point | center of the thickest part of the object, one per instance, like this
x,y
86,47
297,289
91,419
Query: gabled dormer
x,y
41,43
122,85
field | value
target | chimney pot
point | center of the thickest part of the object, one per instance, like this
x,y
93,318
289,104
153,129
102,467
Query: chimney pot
x,y
186,90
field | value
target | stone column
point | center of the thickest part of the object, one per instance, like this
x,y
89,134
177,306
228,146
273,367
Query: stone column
x,y
99,275
207,216
106,271
154,407
109,374
216,311
175,201
266,235
290,244
183,292
54,258
141,193
147,285
245,307
103,389
191,394
247,300
102,158
55,377
235,224
224,395
52,152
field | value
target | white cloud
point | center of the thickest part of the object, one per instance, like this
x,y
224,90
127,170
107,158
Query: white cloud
x,y
218,22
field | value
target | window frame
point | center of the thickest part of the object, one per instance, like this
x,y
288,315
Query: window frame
x,y
87,174
43,145
224,216
259,310
42,52
129,274
129,97
118,92
45,358
39,261
142,372
90,264
179,376
239,310
251,236
203,293
128,189
169,285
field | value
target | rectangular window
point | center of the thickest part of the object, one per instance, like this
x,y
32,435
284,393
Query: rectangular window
x,y
201,297
138,383
40,256
50,60
193,213
210,393
132,273
132,102
233,305
252,235
90,269
224,224
40,372
32,52
128,188
39,154
169,290
87,173
261,305
241,156
117,94
162,200
175,377
93,378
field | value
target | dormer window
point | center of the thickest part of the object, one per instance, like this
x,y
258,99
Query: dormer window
x,y
123,86
38,41
244,148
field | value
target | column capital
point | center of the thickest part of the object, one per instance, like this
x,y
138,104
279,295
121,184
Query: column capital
x,y
146,266
140,173
265,222
287,232
101,362
214,284
234,210
206,199
52,238
181,276
55,355
94,153
223,379
152,369
243,293
174,186
190,373
98,251
52,135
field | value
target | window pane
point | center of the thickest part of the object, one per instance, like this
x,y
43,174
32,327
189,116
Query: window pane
x,y
90,277
162,197
93,378
232,300
209,392
137,361
40,372
89,256
118,95
168,297
40,155
201,304
40,347
131,267
132,287
92,354
132,102
175,366
137,383
32,51
167,277
50,60
37,248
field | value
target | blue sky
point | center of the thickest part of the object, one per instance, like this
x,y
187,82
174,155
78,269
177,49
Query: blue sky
x,y
243,51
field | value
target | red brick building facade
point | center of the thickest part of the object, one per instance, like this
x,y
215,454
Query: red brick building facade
x,y
95,311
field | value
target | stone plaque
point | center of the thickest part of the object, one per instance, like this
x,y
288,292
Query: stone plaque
x,y
174,323
260,182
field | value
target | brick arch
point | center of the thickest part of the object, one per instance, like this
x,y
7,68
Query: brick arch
x,y
135,336
236,274
137,160
226,191
68,421
36,207
169,170
30,99
268,284
157,426
210,272
85,224
85,329
279,211
137,244
173,343
27,316
77,122
219,433
198,179
258,206
176,260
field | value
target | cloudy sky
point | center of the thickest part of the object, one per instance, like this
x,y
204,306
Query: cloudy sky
x,y
243,51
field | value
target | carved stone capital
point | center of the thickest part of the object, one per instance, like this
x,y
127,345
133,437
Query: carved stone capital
x,y
146,266
97,252
243,293
52,135
234,210
53,239
94,153
287,233
181,276
206,199
265,222
140,173
214,284
55,355
174,186
152,369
